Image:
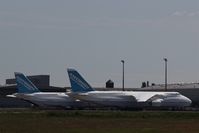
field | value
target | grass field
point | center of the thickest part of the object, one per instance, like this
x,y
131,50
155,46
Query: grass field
x,y
28,121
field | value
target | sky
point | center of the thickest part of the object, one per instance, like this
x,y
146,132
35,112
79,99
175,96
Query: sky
x,y
93,36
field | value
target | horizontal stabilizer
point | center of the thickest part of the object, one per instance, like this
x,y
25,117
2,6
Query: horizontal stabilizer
x,y
13,96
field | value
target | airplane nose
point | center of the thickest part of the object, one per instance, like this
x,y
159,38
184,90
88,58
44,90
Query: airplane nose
x,y
184,101
180,101
187,101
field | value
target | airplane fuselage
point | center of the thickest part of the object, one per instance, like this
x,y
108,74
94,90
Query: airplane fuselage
x,y
50,99
133,99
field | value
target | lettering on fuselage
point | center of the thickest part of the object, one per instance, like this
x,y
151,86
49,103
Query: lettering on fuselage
x,y
78,81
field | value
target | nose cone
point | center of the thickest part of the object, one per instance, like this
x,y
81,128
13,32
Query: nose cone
x,y
187,102
183,101
178,101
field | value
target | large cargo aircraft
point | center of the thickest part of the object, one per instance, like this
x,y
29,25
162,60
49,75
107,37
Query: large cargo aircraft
x,y
123,99
27,91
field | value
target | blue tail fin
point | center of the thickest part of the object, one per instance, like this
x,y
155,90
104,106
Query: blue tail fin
x,y
78,84
24,85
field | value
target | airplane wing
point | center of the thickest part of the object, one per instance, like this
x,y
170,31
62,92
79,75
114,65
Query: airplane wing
x,y
148,96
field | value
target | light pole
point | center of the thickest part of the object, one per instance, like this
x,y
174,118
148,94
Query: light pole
x,y
165,59
122,74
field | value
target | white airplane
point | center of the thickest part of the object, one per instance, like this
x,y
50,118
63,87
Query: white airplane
x,y
27,91
123,99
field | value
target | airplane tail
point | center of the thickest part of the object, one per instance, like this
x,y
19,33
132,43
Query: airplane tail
x,y
78,84
24,85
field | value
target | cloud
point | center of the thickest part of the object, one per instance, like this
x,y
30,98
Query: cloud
x,y
179,13
186,14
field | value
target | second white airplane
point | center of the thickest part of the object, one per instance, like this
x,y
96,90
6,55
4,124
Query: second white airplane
x,y
123,99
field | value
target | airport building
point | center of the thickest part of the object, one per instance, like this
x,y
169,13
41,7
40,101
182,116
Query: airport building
x,y
38,80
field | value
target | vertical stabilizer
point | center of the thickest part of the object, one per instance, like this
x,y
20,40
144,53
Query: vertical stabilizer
x,y
78,84
24,85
